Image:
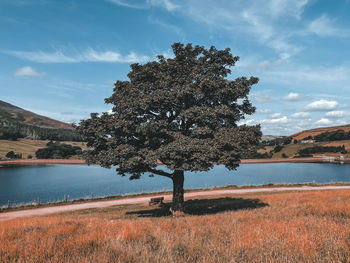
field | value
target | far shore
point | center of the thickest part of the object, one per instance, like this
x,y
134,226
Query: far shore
x,y
244,161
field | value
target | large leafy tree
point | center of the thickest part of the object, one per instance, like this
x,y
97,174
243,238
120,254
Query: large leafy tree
x,y
180,112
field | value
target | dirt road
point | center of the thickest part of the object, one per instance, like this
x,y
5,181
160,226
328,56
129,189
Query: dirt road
x,y
144,200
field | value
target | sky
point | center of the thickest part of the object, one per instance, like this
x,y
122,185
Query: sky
x,y
60,58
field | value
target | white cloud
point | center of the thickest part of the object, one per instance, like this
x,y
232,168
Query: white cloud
x,y
28,72
262,97
89,55
324,121
281,120
322,105
301,115
264,111
276,115
323,27
293,97
336,114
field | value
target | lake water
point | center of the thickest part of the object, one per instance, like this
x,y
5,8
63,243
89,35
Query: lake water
x,y
23,185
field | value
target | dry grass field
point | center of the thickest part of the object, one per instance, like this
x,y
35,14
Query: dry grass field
x,y
292,149
314,132
27,147
279,227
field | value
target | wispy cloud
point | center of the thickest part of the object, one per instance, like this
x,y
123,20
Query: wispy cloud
x,y
281,120
336,114
263,97
301,115
323,26
28,72
265,24
88,55
166,4
167,26
129,4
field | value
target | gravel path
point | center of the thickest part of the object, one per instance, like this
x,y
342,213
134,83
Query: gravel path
x,y
144,200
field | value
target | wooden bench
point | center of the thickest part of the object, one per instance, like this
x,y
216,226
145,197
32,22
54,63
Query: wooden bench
x,y
156,200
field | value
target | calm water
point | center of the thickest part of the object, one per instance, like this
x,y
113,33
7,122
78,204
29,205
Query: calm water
x,y
25,184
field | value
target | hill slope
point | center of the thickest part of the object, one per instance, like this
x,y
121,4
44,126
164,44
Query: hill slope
x,y
10,112
16,122
313,132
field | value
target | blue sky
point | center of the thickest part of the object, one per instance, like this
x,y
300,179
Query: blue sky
x,y
61,58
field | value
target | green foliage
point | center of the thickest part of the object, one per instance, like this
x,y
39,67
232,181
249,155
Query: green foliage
x,y
308,138
338,135
257,155
276,141
14,130
277,148
322,149
287,141
58,151
13,155
182,111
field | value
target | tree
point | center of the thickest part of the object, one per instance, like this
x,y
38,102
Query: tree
x,y
180,112
13,155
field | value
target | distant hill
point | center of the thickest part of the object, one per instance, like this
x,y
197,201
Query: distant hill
x,y
270,137
313,132
16,122
13,113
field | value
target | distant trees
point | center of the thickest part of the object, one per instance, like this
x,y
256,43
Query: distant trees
x,y
56,150
338,135
322,149
278,148
13,155
15,130
257,155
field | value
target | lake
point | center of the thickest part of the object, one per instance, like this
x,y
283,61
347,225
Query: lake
x,y
23,185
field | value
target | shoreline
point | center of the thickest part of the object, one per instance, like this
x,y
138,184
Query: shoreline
x,y
243,161
42,210
286,187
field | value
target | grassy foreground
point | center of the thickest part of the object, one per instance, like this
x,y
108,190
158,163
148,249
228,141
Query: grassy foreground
x,y
267,227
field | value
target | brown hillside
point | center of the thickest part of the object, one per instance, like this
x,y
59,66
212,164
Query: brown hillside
x,y
314,132
14,113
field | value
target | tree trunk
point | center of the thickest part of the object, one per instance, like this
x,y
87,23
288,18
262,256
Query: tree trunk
x,y
178,191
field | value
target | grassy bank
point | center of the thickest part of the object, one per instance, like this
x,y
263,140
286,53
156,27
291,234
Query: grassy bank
x,y
278,227
116,197
28,147
292,149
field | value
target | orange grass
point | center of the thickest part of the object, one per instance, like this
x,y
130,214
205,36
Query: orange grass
x,y
291,227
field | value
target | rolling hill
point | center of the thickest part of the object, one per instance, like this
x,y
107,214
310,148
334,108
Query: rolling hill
x,y
313,132
12,113
16,122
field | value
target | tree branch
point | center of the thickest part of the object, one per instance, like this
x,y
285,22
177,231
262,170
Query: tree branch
x,y
160,172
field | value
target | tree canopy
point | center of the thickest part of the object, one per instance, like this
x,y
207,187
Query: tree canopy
x,y
181,112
